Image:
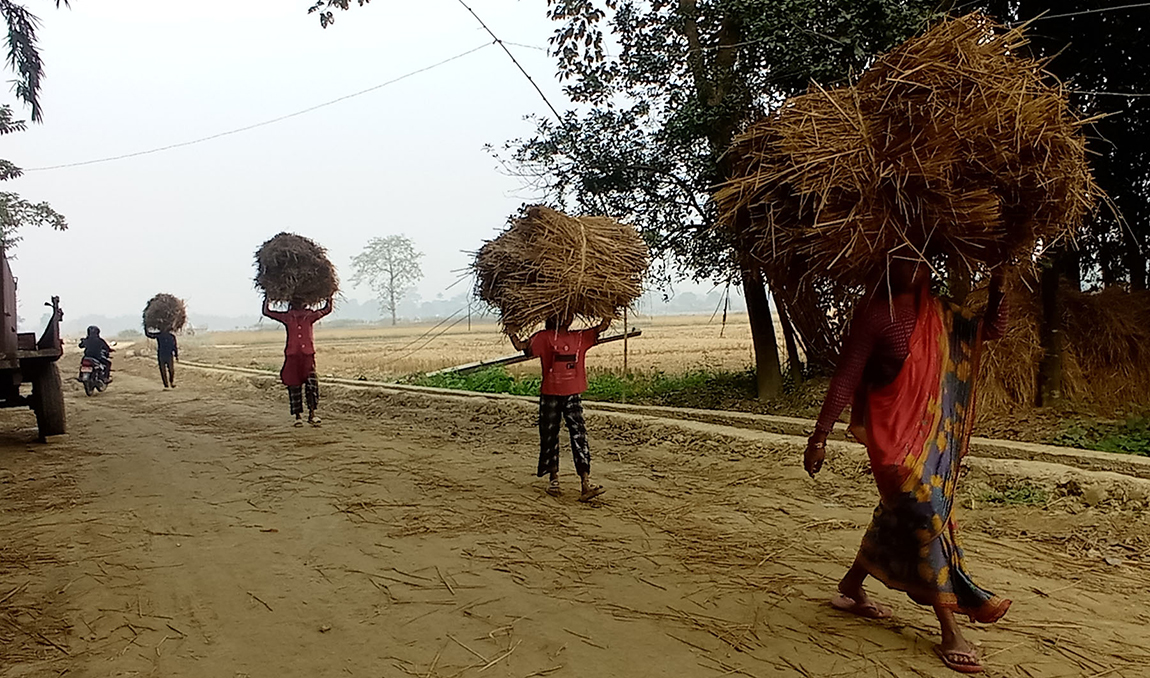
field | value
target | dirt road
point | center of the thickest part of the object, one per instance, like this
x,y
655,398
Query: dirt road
x,y
195,533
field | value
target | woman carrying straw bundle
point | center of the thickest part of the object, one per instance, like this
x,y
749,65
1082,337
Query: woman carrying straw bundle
x,y
298,372
562,354
910,365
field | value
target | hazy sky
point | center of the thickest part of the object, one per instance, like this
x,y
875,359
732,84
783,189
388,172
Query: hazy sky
x,y
131,75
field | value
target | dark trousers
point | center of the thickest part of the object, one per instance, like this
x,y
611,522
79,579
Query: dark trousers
x,y
296,395
168,371
552,411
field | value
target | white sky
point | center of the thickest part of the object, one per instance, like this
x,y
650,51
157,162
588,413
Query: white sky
x,y
130,75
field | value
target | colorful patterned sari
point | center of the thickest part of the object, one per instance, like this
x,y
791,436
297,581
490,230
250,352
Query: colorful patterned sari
x,y
916,430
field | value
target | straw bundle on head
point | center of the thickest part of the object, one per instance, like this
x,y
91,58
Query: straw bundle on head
x,y
952,145
295,269
165,313
549,265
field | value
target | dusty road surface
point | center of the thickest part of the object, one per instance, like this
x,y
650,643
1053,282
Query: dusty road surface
x,y
194,533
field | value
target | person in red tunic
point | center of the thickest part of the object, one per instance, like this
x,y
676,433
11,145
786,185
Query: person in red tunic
x,y
909,365
298,372
562,353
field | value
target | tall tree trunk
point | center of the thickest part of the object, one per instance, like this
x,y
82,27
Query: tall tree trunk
x,y
1050,370
1134,259
1070,268
794,362
391,290
768,373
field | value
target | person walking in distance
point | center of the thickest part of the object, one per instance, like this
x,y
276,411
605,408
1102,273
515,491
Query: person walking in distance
x,y
298,372
562,353
167,352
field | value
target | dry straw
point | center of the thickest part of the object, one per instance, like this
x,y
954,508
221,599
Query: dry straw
x,y
550,265
1106,350
165,313
292,268
954,144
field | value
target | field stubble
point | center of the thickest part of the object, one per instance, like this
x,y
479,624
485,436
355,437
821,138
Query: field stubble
x,y
671,344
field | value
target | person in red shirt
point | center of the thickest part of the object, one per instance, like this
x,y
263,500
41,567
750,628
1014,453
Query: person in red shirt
x,y
298,372
562,352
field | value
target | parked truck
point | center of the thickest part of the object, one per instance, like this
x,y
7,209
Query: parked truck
x,y
24,359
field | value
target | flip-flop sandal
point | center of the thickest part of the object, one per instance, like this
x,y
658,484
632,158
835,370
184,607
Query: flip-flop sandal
x,y
315,422
591,492
553,488
870,610
947,658
298,423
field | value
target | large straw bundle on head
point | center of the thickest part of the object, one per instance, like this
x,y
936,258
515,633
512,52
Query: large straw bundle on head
x,y
165,313
292,268
953,145
549,265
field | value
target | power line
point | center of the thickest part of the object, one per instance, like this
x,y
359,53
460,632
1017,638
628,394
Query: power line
x,y
419,348
265,123
1111,94
514,60
1098,10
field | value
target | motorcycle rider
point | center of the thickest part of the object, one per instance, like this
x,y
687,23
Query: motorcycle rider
x,y
97,349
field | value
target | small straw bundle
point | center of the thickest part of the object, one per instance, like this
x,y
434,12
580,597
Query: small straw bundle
x,y
165,313
550,265
292,268
952,145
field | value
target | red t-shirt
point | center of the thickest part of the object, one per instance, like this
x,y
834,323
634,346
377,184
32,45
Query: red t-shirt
x,y
562,355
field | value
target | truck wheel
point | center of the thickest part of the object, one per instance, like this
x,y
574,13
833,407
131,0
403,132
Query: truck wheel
x,y
48,401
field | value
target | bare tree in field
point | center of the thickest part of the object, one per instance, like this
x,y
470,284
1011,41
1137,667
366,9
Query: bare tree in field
x,y
390,267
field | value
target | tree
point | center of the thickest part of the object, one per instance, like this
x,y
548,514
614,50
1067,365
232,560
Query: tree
x,y
323,9
654,119
658,116
24,59
389,267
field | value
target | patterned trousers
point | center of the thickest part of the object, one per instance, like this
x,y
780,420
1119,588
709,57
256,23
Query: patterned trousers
x,y
553,410
296,395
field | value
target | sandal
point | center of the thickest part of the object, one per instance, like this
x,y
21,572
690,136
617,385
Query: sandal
x,y
591,492
298,423
316,421
553,488
868,610
952,659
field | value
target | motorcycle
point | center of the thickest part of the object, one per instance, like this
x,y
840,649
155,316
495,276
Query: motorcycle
x,y
94,375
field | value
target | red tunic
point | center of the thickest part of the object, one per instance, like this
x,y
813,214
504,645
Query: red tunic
x,y
299,350
562,355
878,344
